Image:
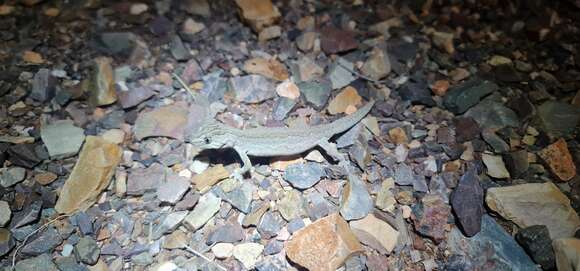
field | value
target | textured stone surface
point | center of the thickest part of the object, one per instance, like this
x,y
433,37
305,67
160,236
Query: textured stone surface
x,y
91,175
205,180
537,243
170,121
323,245
431,216
205,209
356,202
375,233
559,159
62,138
467,203
567,252
535,204
303,176
102,89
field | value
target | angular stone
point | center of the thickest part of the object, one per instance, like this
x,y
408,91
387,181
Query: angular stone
x,y
169,121
493,115
228,233
7,242
252,88
24,155
466,129
173,189
464,96
196,7
375,233
253,218
169,224
270,32
87,250
558,118
495,166
205,209
69,263
323,245
344,101
62,138
43,86
559,159
270,225
378,65
11,176
92,173
191,27
135,96
270,68
535,204
356,202
291,205
282,108
205,180
340,74
222,250
241,197
516,162
303,176
258,13
45,242
334,40
493,246
315,93
467,203
5,213
178,49
143,180
30,214
496,142
431,216
102,88
537,243
39,263
385,199
567,252
247,254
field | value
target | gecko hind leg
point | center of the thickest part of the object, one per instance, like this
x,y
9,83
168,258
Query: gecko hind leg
x,y
331,150
238,174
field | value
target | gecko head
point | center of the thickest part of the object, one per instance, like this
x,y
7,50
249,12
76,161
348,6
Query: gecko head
x,y
208,137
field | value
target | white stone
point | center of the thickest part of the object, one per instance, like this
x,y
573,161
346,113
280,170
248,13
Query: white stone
x,y
5,213
222,250
192,27
495,166
138,8
248,253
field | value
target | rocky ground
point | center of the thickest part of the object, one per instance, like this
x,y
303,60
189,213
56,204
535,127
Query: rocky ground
x,y
468,160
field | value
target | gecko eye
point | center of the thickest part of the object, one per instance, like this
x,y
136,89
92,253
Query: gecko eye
x,y
206,140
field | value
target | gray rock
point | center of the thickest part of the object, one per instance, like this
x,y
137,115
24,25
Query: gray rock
x,y
113,120
21,233
315,93
318,208
7,242
558,118
39,263
87,250
516,162
492,246
143,259
466,95
270,224
24,155
206,208
26,216
338,75
356,202
62,139
273,247
241,197
252,88
228,233
173,189
43,86
43,243
116,43
493,115
537,243
295,225
188,201
168,224
282,108
496,142
134,96
467,202
416,92
144,180
305,175
214,86
178,49
11,176
348,139
69,264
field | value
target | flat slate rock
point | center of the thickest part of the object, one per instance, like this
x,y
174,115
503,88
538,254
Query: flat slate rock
x,y
62,138
303,176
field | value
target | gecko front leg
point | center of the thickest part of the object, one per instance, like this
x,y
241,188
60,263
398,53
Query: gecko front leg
x,y
246,164
331,150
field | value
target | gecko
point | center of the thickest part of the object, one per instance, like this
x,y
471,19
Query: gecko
x,y
271,141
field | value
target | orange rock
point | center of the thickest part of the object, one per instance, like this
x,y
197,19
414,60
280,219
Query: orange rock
x,y
32,57
397,135
258,13
440,87
288,89
348,96
204,181
270,68
558,158
323,245
281,163
45,178
91,175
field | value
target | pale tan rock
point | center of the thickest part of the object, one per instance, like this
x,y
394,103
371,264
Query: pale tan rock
x,y
323,245
308,69
116,136
204,181
375,233
248,253
169,121
192,27
288,89
176,239
222,250
377,65
258,13
102,88
270,68
92,173
6,9
372,124
32,57
535,204
498,60
559,159
398,135
567,251
347,97
270,32
444,41
305,42
495,166
385,198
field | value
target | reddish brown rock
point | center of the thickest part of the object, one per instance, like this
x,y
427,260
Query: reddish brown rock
x,y
323,245
430,217
335,40
92,173
558,158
